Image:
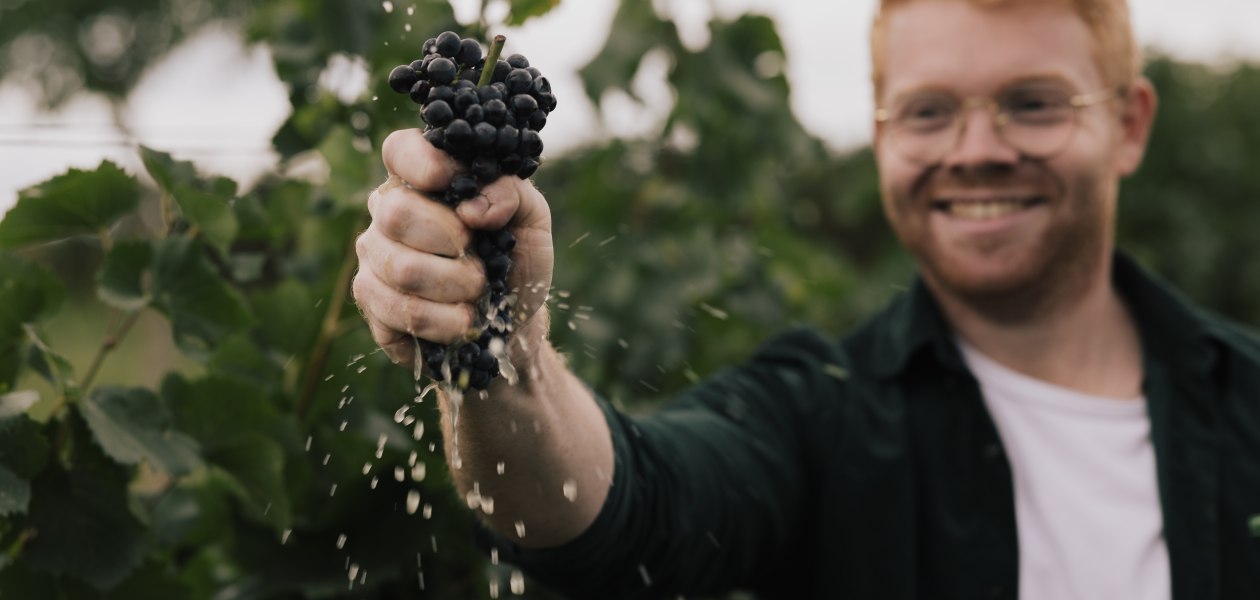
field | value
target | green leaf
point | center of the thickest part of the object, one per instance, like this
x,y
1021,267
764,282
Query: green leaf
x,y
28,292
23,448
256,464
289,316
522,10
121,283
75,203
52,366
352,170
133,425
210,213
219,410
202,307
85,528
15,493
16,403
193,512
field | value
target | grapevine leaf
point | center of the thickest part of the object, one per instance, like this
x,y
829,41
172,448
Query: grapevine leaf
x,y
256,464
121,283
288,315
16,403
132,425
28,292
210,213
75,203
15,493
219,410
638,30
239,356
153,581
201,306
193,512
53,367
347,182
522,10
85,528
23,448
166,171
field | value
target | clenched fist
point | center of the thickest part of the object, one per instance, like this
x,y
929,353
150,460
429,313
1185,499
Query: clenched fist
x,y
417,276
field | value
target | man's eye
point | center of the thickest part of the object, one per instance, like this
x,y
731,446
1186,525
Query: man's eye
x,y
1037,105
927,114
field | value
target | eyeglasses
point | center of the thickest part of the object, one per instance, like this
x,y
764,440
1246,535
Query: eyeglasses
x,y
1038,120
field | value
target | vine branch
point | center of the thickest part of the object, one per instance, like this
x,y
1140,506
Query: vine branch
x,y
328,331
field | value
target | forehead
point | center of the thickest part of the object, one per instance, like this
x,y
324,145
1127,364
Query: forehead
x,y
972,50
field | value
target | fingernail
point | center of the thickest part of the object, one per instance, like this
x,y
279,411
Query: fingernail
x,y
473,207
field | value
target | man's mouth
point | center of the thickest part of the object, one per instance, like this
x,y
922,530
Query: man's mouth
x,y
985,208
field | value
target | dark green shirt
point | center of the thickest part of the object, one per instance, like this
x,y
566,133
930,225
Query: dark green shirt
x,y
870,468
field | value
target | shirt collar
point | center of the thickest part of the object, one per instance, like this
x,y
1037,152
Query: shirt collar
x,y
913,326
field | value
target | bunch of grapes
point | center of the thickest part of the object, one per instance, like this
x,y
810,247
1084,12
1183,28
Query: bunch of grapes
x,y
486,113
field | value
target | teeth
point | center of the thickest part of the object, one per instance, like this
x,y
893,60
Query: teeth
x,y
987,209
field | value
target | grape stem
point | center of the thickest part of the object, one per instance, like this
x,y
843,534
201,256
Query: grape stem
x,y
487,71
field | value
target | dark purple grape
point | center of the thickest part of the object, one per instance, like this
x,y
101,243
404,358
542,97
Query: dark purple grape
x,y
547,102
488,92
438,113
524,104
485,247
475,114
459,134
420,92
501,87
427,48
531,143
518,81
402,78
464,186
540,87
484,135
497,266
484,168
479,380
441,71
463,84
510,164
465,99
518,61
441,92
537,120
469,52
418,66
469,76
528,166
501,70
448,44
437,137
507,140
496,112
504,240
534,71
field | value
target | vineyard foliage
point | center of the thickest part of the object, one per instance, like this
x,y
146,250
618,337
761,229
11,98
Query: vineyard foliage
x,y
277,455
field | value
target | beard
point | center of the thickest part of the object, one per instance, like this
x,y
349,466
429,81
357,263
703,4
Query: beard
x,y
1012,279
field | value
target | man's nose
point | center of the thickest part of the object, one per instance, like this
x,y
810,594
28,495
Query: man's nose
x,y
979,142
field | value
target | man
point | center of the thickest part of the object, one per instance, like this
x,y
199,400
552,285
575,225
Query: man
x,y
1036,418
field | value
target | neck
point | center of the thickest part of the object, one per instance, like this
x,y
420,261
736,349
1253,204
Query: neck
x,y
1080,337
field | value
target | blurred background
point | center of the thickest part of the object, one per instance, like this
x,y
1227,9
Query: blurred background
x,y
709,176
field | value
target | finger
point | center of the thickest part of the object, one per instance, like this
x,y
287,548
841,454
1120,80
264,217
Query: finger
x,y
398,346
403,313
506,201
408,155
407,217
448,280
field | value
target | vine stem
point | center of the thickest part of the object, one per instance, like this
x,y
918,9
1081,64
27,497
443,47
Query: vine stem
x,y
496,48
327,332
111,341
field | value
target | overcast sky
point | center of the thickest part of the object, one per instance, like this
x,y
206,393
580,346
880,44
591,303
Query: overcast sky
x,y
233,121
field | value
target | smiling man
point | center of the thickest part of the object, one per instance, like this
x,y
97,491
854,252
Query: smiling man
x,y
1036,418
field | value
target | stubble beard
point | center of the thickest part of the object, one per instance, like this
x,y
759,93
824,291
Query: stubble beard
x,y
1043,277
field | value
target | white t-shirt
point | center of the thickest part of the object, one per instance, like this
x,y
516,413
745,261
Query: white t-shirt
x,y
1086,501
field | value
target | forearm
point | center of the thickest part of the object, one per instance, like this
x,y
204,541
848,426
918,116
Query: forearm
x,y
535,457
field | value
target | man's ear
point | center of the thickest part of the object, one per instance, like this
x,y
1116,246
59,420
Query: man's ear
x,y
1137,114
